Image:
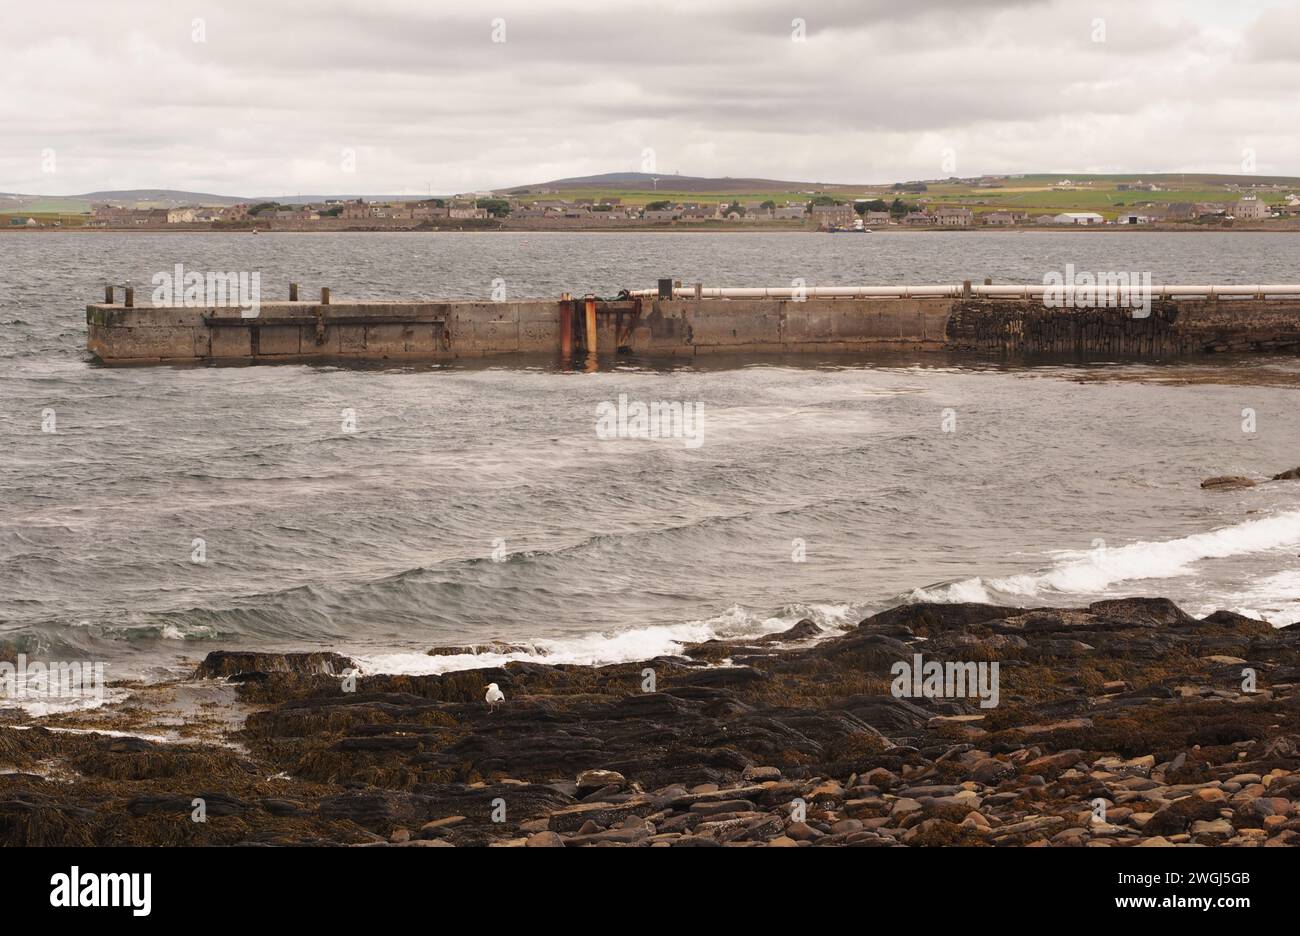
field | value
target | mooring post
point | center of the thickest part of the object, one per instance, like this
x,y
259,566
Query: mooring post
x,y
108,294
324,295
965,289
129,297
988,281
566,326
591,325
293,292
699,290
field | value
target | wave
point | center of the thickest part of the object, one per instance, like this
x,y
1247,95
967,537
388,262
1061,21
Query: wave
x,y
1094,571
1274,598
600,649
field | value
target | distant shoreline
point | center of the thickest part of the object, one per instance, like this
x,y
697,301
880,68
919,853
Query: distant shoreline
x,y
1285,228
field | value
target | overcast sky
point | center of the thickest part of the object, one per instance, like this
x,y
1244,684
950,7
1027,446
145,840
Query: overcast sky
x,y
263,97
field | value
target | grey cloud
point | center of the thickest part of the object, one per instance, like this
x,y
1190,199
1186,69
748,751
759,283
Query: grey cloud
x,y
422,94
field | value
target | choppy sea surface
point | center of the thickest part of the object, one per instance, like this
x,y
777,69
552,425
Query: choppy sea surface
x,y
474,503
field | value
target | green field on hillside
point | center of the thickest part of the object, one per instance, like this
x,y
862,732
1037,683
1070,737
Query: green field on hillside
x,y
44,217
1035,194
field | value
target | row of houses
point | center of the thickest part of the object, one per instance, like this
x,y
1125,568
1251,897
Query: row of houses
x,y
426,210
1248,208
357,210
580,212
118,216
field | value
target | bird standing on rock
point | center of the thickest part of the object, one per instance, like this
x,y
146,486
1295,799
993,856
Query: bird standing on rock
x,y
494,695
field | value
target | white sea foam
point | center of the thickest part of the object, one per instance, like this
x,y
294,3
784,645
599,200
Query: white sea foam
x,y
1095,571
1273,598
598,649
106,732
41,705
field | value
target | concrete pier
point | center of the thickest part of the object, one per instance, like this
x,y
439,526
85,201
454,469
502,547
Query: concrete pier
x,y
691,322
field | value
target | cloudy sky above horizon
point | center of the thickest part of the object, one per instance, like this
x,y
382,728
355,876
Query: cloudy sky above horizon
x,y
269,97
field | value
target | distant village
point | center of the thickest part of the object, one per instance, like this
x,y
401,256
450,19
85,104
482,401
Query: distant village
x,y
906,205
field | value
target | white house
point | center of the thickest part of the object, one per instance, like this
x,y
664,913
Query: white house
x,y
1078,217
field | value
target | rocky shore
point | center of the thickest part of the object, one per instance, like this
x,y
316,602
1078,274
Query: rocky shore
x,y
1125,724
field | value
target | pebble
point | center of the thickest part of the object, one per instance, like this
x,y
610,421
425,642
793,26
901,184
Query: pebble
x,y
544,840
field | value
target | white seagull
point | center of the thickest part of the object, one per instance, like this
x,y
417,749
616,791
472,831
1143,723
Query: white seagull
x,y
494,695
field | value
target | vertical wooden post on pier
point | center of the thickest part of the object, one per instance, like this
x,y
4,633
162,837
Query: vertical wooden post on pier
x,y
108,294
324,295
293,292
590,330
129,297
566,326
988,281
699,290
965,289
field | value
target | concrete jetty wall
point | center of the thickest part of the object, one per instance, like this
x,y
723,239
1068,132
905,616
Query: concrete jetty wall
x,y
760,326
442,331
304,331
1175,328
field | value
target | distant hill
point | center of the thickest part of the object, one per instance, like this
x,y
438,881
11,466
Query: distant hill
x,y
157,198
648,181
1023,191
175,198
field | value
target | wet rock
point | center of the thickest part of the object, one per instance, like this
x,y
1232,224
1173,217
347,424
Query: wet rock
x,y
926,618
499,647
806,629
1155,612
1228,483
228,663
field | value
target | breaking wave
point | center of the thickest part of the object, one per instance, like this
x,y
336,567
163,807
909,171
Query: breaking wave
x,y
1096,570
626,646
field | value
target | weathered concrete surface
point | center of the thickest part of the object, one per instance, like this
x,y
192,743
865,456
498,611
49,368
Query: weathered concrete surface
x,y
703,326
305,331
437,331
1174,328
